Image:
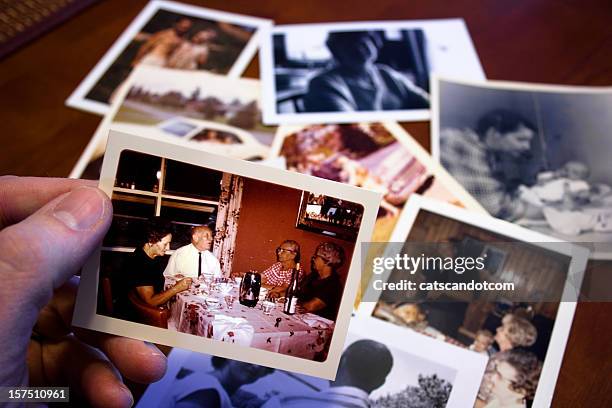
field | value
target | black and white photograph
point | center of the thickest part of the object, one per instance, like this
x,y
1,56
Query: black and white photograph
x,y
366,71
378,369
523,331
533,155
172,35
204,252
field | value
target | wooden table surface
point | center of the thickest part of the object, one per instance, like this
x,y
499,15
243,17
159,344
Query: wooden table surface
x,y
562,42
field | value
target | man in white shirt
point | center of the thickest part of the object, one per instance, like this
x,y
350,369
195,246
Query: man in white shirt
x,y
364,367
195,259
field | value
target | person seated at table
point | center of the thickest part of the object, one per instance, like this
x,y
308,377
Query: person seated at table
x,y
278,276
146,277
214,389
195,259
321,290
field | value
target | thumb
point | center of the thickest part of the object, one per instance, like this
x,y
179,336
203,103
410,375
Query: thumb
x,y
39,254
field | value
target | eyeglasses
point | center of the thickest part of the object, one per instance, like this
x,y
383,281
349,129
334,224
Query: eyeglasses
x,y
279,250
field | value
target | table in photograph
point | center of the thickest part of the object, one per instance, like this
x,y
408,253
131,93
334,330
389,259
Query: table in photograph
x,y
303,335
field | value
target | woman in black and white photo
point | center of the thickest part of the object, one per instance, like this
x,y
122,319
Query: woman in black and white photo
x,y
357,83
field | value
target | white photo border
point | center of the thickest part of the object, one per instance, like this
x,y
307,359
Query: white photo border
x,y
565,314
266,64
78,98
85,314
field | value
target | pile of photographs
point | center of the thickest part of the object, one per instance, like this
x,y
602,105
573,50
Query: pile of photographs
x,y
222,186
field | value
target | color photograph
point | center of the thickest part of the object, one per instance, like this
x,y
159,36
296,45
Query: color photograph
x,y
171,35
524,329
380,157
220,114
180,257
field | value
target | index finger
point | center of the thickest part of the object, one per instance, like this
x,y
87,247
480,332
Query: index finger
x,y
22,196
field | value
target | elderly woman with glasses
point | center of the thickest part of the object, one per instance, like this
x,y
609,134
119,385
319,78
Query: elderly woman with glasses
x,y
278,276
321,290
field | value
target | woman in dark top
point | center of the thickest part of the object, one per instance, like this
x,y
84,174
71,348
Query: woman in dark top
x,y
321,290
145,274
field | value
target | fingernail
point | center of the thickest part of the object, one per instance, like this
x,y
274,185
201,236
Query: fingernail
x,y
128,398
81,209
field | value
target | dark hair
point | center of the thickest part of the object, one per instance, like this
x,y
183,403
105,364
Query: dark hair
x,y
528,369
218,362
340,39
502,120
367,363
157,229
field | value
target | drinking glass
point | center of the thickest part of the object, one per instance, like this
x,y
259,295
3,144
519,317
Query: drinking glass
x,y
229,301
267,306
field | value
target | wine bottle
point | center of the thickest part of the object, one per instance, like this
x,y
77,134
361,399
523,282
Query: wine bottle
x,y
291,295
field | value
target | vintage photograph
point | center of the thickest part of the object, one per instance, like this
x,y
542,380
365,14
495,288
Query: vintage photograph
x,y
171,35
220,114
376,156
535,155
523,331
396,377
366,71
213,253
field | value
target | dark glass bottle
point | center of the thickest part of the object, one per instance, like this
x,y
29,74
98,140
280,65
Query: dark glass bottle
x,y
291,295
249,289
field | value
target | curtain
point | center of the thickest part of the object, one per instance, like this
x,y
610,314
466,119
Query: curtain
x,y
227,221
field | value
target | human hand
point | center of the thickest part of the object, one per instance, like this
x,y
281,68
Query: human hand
x,y
49,227
276,292
183,284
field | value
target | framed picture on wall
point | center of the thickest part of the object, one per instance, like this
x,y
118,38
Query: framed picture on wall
x,y
329,216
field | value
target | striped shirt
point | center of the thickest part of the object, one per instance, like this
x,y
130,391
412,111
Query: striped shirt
x,y
275,275
467,159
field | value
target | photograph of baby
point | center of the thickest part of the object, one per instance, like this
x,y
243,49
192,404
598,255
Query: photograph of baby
x,y
376,156
349,72
180,261
218,113
396,377
175,36
518,332
533,155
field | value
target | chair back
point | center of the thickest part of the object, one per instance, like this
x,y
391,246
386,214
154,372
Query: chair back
x,y
153,316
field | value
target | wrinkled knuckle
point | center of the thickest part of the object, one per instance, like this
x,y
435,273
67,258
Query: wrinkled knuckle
x,y
19,253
